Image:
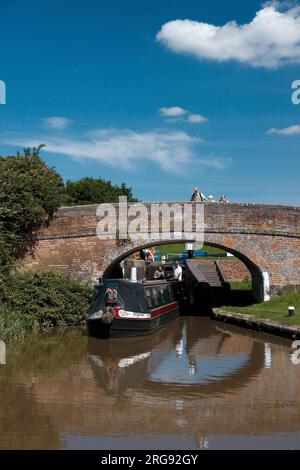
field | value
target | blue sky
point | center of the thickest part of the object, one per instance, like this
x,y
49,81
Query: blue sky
x,y
161,105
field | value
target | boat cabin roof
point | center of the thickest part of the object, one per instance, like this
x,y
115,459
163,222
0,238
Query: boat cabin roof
x,y
129,294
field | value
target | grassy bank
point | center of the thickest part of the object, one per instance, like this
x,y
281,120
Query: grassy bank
x,y
275,310
29,302
176,248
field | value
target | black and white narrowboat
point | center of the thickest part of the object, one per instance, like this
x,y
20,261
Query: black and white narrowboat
x,y
126,308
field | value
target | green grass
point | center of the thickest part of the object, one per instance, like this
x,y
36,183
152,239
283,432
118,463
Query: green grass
x,y
176,248
172,250
241,286
275,310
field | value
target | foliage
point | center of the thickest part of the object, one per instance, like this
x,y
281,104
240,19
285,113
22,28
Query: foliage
x,y
14,325
52,299
94,191
30,193
6,261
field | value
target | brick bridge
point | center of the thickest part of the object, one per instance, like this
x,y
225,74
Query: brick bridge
x,y
266,238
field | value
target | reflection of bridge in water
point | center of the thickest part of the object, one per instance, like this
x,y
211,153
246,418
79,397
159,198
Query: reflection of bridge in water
x,y
195,379
184,360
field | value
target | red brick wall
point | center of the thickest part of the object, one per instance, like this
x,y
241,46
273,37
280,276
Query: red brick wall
x,y
266,238
233,268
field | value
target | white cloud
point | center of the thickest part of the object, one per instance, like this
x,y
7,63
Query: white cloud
x,y
172,151
196,118
56,122
270,40
173,112
292,130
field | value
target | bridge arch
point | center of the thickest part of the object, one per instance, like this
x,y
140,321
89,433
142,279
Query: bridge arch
x,y
265,237
259,276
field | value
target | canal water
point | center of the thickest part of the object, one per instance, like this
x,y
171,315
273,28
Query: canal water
x,y
195,384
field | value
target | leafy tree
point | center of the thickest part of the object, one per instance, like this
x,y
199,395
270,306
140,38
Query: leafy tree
x,y
95,191
6,261
30,193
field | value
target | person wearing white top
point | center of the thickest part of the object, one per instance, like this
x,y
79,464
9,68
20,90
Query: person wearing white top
x,y
178,271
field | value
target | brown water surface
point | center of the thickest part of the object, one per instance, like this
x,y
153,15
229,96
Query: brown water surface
x,y
194,384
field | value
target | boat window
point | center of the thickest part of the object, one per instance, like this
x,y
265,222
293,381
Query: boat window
x,y
162,295
171,293
156,296
149,297
159,295
167,295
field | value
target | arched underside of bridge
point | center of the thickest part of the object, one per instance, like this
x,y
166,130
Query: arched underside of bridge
x,y
259,280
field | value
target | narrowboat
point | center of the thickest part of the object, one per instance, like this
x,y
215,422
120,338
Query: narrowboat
x,y
126,308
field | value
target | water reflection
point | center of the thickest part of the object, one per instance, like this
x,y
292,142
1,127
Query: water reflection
x,y
194,384
179,356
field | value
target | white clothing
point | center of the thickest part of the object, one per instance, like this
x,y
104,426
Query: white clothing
x,y
178,273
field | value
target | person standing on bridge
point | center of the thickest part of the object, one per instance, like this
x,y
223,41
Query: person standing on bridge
x,y
197,196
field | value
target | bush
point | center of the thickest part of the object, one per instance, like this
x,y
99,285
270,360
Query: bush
x,y
14,325
44,300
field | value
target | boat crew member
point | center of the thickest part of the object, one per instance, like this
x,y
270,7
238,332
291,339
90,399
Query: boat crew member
x,y
149,255
159,273
178,271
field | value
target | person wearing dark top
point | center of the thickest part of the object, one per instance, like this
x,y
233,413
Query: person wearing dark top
x,y
196,196
159,273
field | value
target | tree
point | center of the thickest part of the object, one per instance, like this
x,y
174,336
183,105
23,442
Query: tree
x,y
30,193
95,191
